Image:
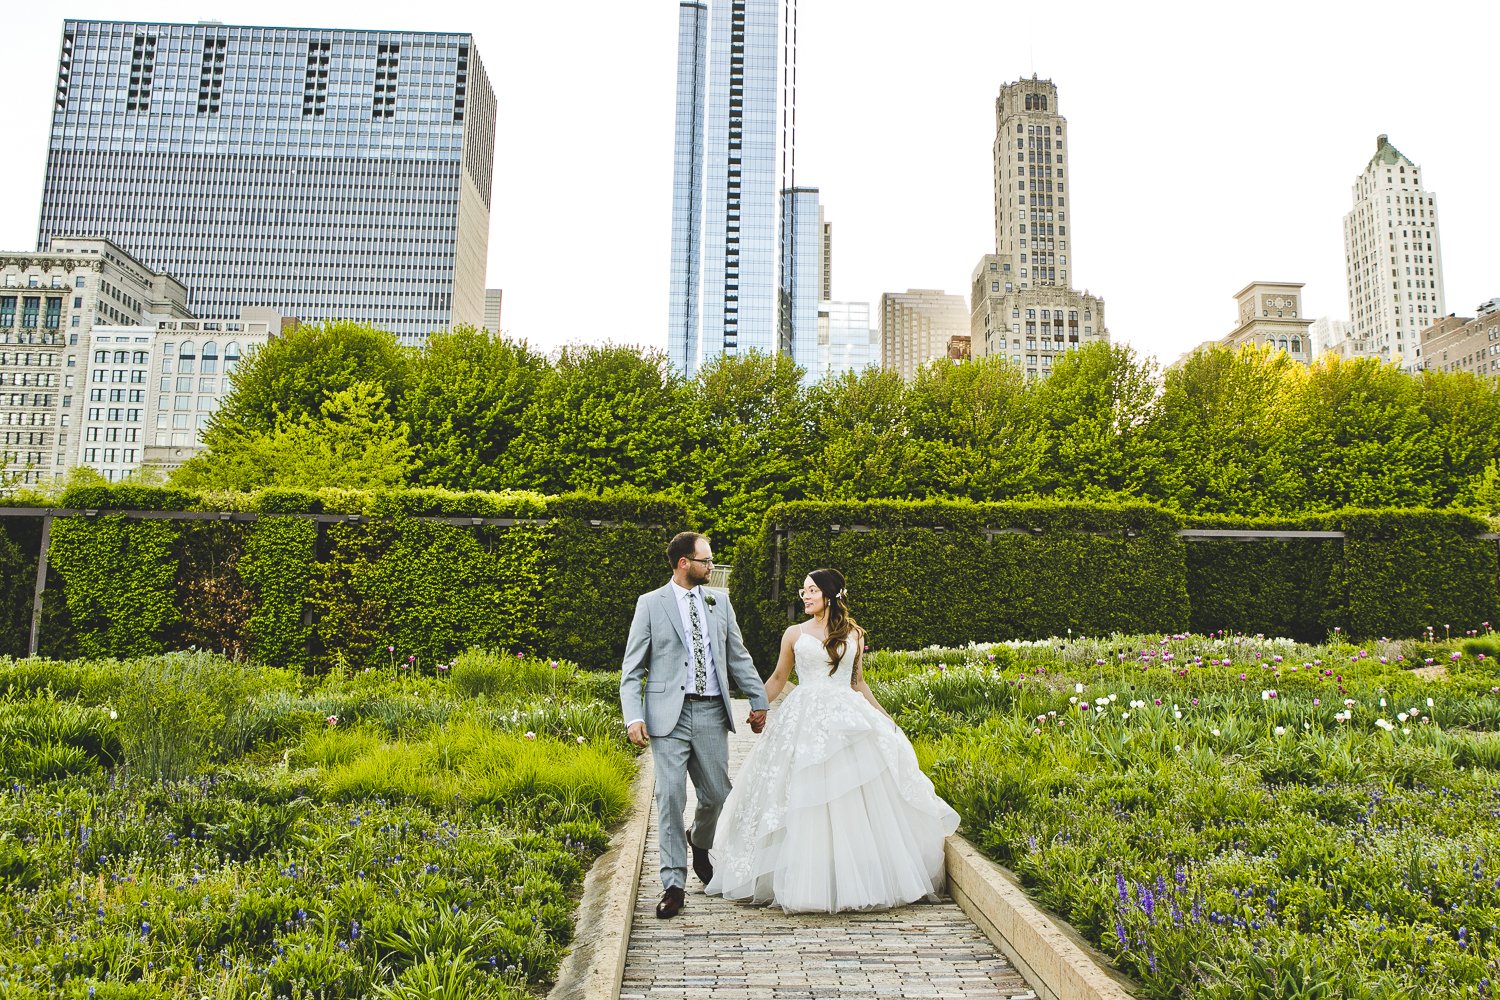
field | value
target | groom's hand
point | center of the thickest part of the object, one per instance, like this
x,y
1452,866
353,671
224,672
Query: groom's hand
x,y
637,734
757,720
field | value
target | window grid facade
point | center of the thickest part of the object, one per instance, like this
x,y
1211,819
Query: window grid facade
x,y
846,342
50,303
1393,258
263,167
687,187
801,277
749,157
1023,305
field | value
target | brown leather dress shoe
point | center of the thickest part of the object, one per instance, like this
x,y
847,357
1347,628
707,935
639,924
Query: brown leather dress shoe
x,y
671,902
702,866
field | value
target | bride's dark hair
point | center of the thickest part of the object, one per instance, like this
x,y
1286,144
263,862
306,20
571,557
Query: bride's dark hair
x,y
839,622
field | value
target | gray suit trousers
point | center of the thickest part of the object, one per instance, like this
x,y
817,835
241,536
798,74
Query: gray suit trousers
x,y
698,747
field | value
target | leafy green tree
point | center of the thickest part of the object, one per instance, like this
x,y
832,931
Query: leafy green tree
x,y
354,443
1463,412
1365,440
290,376
1096,409
861,441
464,399
1228,429
757,443
606,416
973,430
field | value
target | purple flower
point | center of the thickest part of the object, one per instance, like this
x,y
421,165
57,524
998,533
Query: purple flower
x,y
1120,885
1119,932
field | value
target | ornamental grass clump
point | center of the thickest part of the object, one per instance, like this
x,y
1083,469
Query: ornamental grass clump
x,y
303,854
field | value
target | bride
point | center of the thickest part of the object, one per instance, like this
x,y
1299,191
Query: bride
x,y
830,810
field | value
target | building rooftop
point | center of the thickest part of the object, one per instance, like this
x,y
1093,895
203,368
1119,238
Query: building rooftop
x,y
1387,154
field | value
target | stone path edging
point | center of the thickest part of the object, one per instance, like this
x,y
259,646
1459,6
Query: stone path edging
x,y
595,966
1055,959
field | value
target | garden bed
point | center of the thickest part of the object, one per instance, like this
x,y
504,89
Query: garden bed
x,y
186,826
1233,816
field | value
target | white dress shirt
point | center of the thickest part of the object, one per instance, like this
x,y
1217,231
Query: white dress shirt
x,y
690,684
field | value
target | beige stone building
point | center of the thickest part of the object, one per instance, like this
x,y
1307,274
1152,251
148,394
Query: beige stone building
x,y
50,304
1270,315
1460,344
1393,258
184,367
916,326
1023,304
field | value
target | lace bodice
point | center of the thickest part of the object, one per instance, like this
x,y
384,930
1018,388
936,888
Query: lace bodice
x,y
812,661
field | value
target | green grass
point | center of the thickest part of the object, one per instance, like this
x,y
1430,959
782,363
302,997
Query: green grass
x,y
1214,839
186,826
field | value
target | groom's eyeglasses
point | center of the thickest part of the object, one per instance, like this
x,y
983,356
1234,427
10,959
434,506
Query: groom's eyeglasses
x,y
708,562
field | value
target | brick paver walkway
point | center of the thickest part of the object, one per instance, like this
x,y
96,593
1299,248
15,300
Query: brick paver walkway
x,y
717,949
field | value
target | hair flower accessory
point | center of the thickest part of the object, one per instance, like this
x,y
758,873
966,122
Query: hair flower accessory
x,y
843,595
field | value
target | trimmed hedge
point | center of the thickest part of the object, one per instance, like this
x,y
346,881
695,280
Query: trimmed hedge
x,y
1271,587
1395,573
926,573
1407,570
287,591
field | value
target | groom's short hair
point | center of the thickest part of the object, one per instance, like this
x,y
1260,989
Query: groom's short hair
x,y
682,546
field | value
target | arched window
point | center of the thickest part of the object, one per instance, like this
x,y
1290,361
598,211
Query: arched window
x,y
120,357
231,356
185,355
1296,345
1283,343
210,358
101,357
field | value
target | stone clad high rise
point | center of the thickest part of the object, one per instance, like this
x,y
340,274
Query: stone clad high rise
x,y
1023,302
326,174
1393,258
734,163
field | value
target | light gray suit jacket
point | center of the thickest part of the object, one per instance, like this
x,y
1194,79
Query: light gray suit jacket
x,y
658,660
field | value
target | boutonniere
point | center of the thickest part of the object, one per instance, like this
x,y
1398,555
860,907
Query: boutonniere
x,y
709,600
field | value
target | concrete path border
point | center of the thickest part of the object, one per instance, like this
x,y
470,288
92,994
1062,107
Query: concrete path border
x,y
1055,959
595,966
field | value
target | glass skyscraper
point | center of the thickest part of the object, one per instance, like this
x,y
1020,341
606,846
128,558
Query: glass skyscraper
x,y
325,174
736,102
801,276
687,184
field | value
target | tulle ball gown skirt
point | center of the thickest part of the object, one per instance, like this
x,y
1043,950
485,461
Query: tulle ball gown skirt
x,y
830,811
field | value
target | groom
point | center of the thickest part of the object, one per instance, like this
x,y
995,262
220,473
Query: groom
x,y
684,646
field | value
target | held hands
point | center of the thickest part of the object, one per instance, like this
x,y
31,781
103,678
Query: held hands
x,y
637,734
757,720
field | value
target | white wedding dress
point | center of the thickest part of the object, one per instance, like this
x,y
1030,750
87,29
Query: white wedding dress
x,y
830,810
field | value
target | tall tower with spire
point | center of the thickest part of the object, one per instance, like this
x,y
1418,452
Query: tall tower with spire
x,y
1023,303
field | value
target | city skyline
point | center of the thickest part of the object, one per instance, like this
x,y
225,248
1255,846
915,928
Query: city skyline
x,y
1265,135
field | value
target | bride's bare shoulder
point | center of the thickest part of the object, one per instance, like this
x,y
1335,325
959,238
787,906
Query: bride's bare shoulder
x,y
792,633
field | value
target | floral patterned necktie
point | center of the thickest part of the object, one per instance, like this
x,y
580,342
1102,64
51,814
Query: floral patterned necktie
x,y
701,671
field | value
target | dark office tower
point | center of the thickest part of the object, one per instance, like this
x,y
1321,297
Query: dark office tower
x,y
325,174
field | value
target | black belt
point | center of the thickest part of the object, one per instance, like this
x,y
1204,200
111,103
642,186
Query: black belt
x,y
701,697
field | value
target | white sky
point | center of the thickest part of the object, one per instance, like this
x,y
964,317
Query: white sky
x,y
1209,144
